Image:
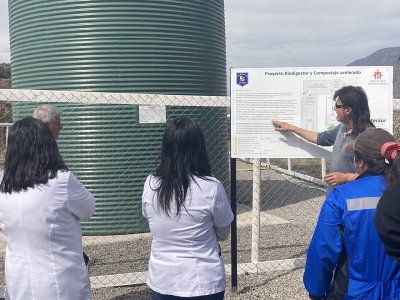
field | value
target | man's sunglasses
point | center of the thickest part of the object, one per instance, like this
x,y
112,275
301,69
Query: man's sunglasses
x,y
339,105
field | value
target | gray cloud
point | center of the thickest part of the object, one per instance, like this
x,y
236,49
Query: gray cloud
x,y
286,33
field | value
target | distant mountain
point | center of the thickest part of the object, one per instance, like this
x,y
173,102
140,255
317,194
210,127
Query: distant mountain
x,y
384,57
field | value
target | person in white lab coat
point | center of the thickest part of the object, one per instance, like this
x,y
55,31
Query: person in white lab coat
x,y
188,213
41,204
51,116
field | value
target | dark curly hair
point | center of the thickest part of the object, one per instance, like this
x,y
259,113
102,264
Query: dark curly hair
x,y
356,98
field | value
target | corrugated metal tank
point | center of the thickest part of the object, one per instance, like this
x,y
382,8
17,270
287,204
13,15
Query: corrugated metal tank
x,y
155,47
166,47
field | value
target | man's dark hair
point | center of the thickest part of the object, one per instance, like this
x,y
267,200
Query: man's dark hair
x,y
32,156
356,98
183,156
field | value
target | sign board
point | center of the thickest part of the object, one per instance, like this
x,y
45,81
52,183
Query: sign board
x,y
152,114
302,97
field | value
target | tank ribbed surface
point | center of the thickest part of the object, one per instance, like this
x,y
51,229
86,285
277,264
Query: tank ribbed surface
x,y
112,157
169,47
162,47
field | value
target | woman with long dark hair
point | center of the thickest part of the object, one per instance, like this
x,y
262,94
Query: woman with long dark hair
x,y
188,213
352,111
41,204
355,98
387,217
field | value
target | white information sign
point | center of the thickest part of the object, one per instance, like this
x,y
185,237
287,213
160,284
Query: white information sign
x,y
302,97
152,114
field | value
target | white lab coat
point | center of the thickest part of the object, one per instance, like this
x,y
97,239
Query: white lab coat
x,y
44,240
185,257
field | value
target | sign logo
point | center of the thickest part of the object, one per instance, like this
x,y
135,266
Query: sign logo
x,y
378,74
378,80
242,78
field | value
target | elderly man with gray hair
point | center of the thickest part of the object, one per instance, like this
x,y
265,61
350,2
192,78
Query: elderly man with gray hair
x,y
51,116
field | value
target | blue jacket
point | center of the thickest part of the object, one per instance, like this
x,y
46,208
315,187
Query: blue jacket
x,y
372,273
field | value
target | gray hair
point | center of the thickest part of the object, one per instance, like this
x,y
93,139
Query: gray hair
x,y
47,113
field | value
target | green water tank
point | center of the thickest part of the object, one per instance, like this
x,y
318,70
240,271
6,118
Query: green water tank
x,y
152,46
148,47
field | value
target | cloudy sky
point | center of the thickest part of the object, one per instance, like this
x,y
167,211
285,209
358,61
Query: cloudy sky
x,y
290,33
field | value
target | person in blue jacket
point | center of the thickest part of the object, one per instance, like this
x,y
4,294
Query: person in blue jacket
x,y
346,223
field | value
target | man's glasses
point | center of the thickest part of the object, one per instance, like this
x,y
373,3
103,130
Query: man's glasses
x,y
339,105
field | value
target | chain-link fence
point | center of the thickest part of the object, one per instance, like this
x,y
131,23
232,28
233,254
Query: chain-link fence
x,y
278,203
277,209
112,141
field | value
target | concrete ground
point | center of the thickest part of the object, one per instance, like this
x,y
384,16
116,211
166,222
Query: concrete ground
x,y
288,212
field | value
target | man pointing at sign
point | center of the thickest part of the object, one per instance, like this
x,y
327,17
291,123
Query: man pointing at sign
x,y
351,107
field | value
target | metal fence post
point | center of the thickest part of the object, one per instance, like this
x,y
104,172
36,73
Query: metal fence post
x,y
255,240
323,167
233,228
